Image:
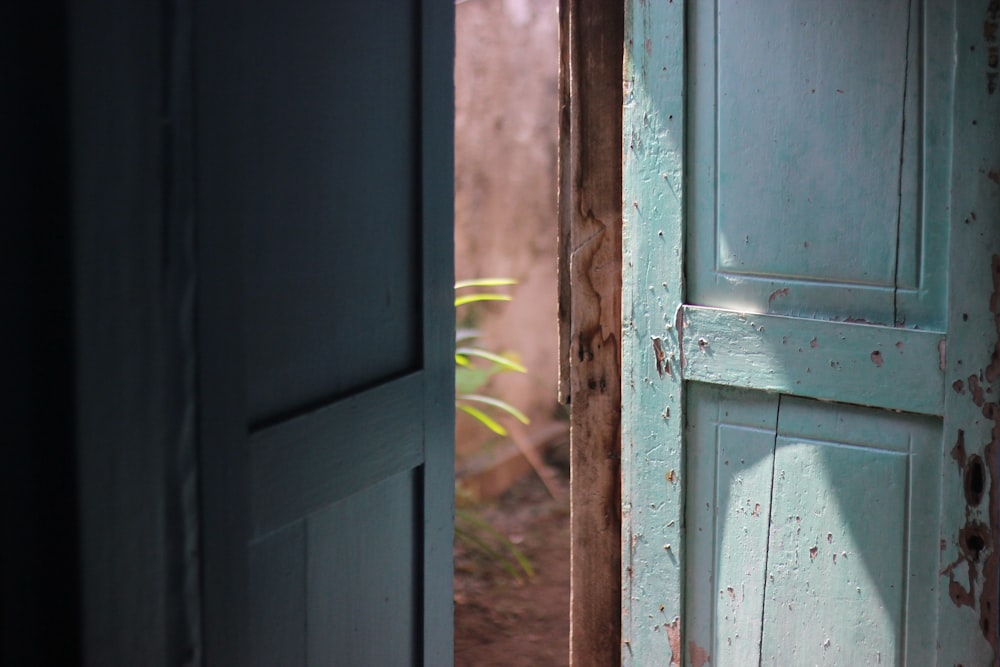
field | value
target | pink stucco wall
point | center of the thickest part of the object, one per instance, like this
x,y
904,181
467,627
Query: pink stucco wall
x,y
506,116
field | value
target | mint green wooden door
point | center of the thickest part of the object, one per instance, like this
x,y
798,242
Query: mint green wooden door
x,y
810,321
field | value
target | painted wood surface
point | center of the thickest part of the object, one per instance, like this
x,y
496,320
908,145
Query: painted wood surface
x,y
835,361
892,163
786,108
328,419
726,520
363,591
278,622
806,531
851,560
652,289
970,522
434,487
299,352
306,463
590,316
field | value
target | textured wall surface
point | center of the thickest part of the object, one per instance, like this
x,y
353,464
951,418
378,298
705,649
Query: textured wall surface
x,y
506,72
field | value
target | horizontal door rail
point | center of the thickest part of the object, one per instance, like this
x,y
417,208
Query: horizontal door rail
x,y
864,364
308,462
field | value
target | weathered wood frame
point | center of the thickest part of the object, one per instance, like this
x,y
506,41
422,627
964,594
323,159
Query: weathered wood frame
x,y
590,196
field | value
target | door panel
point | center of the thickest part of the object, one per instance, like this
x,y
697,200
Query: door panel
x,y
799,293
333,110
326,315
810,154
358,588
726,527
848,554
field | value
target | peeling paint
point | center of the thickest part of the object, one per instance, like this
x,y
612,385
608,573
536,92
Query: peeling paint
x,y
662,365
775,294
978,542
674,638
697,655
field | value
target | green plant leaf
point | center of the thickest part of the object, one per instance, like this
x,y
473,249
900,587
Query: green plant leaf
x,y
470,378
497,359
498,404
483,418
485,282
485,296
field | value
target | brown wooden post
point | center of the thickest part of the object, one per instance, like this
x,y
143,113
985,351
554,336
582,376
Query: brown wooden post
x,y
590,252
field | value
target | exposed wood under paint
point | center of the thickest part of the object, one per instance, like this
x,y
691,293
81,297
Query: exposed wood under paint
x,y
590,315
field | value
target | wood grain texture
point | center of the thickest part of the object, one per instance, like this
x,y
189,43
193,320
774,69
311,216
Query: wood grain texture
x,y
835,361
969,533
652,289
590,261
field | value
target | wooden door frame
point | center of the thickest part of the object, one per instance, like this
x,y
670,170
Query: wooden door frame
x,y
591,41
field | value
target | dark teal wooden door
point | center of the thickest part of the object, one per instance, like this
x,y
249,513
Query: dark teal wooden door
x,y
326,331
810,331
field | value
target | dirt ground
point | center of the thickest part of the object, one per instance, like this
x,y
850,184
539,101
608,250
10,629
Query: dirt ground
x,y
499,621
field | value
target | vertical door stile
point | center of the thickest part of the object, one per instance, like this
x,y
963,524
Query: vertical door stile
x,y
652,287
970,518
436,219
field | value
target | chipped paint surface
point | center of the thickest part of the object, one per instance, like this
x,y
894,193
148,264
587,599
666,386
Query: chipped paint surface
x,y
780,559
652,467
674,639
837,361
970,544
697,656
973,574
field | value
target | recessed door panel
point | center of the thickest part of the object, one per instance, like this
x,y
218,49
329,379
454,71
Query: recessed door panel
x,y
809,152
804,530
330,204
